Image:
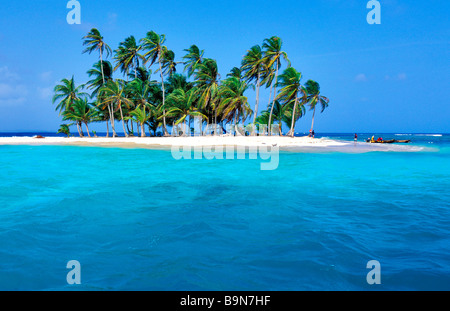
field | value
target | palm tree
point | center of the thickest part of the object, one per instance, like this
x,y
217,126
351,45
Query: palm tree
x,y
100,115
101,72
207,80
181,104
153,124
280,114
272,56
141,117
235,72
177,81
314,97
234,104
290,114
141,73
81,112
262,120
128,56
94,41
140,92
64,129
168,63
155,100
192,59
102,104
252,68
114,92
290,93
267,78
153,45
66,94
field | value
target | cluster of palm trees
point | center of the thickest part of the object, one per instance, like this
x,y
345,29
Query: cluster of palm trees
x,y
172,99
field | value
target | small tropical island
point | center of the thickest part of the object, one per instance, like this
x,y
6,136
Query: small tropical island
x,y
156,106
150,96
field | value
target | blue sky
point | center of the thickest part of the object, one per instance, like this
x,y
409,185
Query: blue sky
x,y
392,77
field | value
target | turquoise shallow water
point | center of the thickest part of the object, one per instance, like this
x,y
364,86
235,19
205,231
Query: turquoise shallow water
x,y
138,219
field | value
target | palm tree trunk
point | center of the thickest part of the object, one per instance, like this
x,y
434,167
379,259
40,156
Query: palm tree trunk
x,y
273,103
268,104
135,68
235,114
78,129
111,117
107,129
127,126
87,129
257,98
215,120
103,79
101,65
164,96
123,122
291,132
312,124
142,130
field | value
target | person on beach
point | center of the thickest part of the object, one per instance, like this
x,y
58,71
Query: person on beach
x,y
356,137
313,134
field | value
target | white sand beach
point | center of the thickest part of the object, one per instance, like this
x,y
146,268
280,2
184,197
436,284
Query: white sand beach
x,y
248,141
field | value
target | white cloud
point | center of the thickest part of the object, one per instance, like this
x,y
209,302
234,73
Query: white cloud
x,y
398,77
8,75
112,18
361,77
8,89
12,101
45,92
12,94
45,76
401,76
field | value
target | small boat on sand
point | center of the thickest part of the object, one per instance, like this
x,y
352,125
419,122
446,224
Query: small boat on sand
x,y
390,141
402,141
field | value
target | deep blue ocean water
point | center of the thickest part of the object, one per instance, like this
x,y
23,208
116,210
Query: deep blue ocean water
x,y
137,219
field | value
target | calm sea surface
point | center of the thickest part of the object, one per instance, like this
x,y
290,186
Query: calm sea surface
x,y
137,219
